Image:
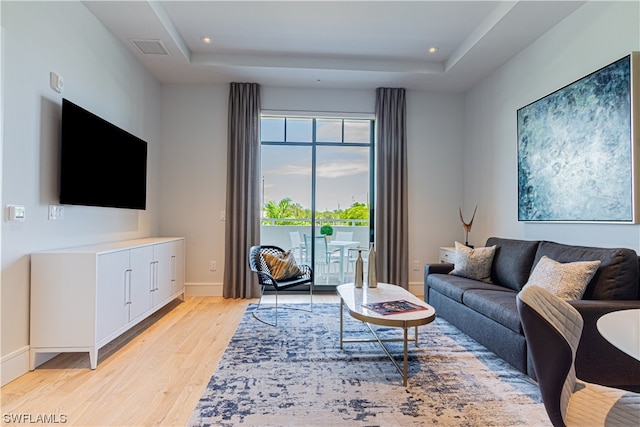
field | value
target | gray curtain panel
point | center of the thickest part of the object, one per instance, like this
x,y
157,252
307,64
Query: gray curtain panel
x,y
243,190
391,218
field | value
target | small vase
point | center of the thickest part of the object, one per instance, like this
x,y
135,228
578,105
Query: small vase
x,y
358,279
372,280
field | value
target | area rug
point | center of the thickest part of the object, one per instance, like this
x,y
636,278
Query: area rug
x,y
297,375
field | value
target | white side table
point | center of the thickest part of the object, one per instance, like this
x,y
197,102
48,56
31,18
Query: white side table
x,y
622,329
448,254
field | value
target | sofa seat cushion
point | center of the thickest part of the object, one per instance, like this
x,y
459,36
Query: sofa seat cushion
x,y
455,286
617,276
498,305
512,261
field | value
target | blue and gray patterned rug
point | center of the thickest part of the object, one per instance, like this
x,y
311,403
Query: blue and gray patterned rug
x,y
297,375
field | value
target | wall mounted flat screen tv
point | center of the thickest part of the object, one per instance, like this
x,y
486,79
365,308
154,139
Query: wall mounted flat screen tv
x,y
100,164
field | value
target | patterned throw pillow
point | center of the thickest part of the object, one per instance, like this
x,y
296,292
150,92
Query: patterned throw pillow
x,y
282,267
473,263
565,280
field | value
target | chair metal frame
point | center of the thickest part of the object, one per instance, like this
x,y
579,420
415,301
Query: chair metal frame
x,y
259,266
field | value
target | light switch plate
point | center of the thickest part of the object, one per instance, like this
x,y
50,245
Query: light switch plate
x,y
56,82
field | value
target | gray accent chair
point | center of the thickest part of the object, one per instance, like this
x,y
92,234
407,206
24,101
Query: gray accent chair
x,y
553,328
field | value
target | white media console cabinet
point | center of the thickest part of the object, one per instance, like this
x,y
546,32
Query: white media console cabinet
x,y
84,297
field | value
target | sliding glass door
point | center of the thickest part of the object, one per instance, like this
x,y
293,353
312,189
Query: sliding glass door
x,y
317,191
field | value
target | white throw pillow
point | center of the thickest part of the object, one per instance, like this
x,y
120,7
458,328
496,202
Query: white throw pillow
x,y
473,263
567,281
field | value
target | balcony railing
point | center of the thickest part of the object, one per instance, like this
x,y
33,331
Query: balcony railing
x,y
275,231
307,221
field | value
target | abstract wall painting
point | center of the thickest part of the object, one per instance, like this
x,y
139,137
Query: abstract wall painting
x,y
577,149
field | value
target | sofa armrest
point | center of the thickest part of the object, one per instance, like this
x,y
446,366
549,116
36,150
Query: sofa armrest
x,y
597,360
440,268
592,310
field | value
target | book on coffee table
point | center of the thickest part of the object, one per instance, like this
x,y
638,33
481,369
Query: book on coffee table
x,y
394,307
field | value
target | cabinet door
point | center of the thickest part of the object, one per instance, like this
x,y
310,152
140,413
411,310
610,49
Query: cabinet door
x,y
141,286
162,255
177,267
112,307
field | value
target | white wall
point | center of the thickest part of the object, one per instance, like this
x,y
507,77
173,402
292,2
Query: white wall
x,y
194,132
103,77
193,181
435,154
594,36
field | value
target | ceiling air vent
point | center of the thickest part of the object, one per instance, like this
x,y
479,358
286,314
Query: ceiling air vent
x,y
150,47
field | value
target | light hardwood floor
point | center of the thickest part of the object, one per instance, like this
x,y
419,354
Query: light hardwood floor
x,y
153,375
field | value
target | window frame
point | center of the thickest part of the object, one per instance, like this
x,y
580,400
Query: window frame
x,y
314,144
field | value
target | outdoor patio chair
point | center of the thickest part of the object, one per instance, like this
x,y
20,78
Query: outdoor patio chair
x,y
259,265
323,256
297,246
345,236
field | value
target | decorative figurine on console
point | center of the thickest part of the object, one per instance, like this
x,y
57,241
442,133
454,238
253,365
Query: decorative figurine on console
x,y
467,226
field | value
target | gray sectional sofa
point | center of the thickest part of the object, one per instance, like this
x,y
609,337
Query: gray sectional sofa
x,y
487,311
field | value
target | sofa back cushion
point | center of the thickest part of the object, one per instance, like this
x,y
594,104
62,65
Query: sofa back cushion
x,y
512,261
616,278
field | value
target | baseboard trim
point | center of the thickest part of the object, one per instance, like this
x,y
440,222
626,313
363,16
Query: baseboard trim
x,y
203,289
14,365
416,288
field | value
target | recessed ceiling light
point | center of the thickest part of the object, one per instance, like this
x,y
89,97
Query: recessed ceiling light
x,y
206,40
433,49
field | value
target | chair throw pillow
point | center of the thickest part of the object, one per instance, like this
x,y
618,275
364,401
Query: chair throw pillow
x,y
473,263
567,281
282,267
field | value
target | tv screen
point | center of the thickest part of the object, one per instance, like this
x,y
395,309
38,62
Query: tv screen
x,y
100,164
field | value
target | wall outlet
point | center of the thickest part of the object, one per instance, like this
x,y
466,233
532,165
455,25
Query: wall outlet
x,y
416,266
56,212
213,265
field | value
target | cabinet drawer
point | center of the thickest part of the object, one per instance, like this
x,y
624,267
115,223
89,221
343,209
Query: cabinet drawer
x,y
448,255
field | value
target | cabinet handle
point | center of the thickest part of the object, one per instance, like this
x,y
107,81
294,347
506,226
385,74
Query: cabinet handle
x,y
127,286
151,275
156,275
173,268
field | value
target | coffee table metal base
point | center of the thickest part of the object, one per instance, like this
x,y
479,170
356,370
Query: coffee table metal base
x,y
406,340
355,300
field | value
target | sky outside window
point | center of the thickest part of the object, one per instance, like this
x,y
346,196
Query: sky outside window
x,y
342,171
